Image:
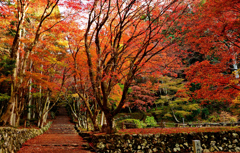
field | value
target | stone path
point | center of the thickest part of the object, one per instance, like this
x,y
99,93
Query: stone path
x,y
60,138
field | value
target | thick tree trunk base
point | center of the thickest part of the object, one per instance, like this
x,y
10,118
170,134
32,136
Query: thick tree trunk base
x,y
6,117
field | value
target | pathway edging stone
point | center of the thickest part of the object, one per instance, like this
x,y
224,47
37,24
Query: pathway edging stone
x,y
11,138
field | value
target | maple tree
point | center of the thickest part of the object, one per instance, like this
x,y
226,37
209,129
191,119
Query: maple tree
x,y
77,109
172,104
142,95
213,32
24,34
120,38
49,75
80,77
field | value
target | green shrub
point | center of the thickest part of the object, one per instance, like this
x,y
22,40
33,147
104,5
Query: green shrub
x,y
214,117
6,66
52,114
150,121
134,122
193,115
205,113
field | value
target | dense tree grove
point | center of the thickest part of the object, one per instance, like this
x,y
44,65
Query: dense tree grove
x,y
170,59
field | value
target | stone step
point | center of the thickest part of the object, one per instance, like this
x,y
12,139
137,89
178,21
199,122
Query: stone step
x,y
60,138
53,145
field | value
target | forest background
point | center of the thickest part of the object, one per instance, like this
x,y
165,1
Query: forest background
x,y
144,61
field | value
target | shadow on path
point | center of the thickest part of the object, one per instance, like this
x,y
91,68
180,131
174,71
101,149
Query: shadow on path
x,y
60,138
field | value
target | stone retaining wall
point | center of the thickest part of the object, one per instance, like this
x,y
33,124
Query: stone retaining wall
x,y
12,138
179,142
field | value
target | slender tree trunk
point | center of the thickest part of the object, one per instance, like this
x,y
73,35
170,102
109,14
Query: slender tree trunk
x,y
41,121
235,66
29,115
87,120
39,118
44,111
17,119
175,118
39,103
95,123
34,108
103,119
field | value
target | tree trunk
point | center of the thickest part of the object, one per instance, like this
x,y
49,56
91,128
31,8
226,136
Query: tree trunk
x,y
87,120
103,119
109,119
235,66
19,107
95,123
175,118
34,108
17,119
29,115
41,121
7,116
45,109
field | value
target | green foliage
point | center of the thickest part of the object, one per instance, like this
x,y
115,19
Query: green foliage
x,y
37,94
122,87
138,123
143,17
214,106
31,106
214,117
205,113
52,114
12,32
195,86
6,66
233,119
4,97
173,104
150,121
202,2
213,58
136,115
222,117
195,113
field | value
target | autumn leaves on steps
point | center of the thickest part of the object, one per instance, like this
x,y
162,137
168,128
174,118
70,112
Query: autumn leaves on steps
x,y
60,138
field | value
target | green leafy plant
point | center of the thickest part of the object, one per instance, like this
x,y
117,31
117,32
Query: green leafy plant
x,y
134,122
150,121
4,97
214,118
205,113
6,66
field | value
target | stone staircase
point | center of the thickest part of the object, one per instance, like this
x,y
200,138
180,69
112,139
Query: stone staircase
x,y
60,138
